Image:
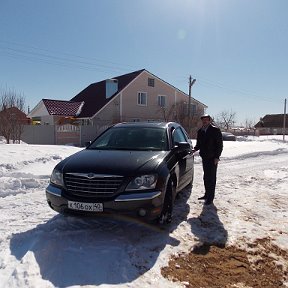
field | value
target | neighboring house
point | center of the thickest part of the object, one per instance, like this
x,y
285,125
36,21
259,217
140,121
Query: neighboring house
x,y
51,112
62,115
136,96
12,121
272,124
15,114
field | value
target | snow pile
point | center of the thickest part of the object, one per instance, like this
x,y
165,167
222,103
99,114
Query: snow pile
x,y
39,248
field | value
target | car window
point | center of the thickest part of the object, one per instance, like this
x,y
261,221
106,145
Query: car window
x,y
131,138
178,135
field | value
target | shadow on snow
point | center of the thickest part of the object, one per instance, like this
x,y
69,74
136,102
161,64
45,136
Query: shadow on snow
x,y
92,251
209,230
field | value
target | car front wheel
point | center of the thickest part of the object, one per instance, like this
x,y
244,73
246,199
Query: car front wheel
x,y
167,210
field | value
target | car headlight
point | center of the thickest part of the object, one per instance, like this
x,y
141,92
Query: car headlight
x,y
57,178
142,182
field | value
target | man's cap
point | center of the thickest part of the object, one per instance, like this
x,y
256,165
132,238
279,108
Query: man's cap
x,y
205,116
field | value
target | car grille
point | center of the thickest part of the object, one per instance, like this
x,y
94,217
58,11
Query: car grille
x,y
92,185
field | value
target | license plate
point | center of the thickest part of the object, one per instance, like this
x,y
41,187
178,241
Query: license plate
x,y
92,207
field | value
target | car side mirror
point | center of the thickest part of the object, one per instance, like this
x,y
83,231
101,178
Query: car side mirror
x,y
182,146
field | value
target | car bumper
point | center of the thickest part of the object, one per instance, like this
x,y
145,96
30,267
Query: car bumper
x,y
145,205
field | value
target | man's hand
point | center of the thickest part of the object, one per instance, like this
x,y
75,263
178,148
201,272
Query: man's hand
x,y
194,151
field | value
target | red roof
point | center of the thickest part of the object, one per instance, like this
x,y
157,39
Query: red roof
x,y
63,108
16,113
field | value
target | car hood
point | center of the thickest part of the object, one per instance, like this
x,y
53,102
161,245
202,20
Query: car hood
x,y
113,162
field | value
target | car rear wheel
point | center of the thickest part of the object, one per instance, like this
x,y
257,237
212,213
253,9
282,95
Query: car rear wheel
x,y
167,210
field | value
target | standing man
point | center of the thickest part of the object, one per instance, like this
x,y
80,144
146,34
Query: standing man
x,y
210,144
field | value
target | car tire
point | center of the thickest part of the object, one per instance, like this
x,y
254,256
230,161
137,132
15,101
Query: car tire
x,y
167,210
189,185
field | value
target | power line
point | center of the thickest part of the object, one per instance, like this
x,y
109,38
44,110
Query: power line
x,y
203,82
208,83
32,54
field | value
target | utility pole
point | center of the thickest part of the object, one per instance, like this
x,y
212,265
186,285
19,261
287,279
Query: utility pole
x,y
191,83
284,120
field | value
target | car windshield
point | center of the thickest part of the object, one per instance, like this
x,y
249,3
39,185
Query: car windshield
x,y
131,138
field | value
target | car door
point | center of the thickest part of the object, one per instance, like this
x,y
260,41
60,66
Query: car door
x,y
185,158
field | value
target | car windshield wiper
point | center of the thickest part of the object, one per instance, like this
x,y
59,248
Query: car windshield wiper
x,y
111,148
125,148
99,148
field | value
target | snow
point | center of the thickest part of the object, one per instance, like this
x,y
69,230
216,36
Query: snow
x,y
40,248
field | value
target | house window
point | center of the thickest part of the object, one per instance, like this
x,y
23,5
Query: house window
x,y
142,98
193,109
136,120
151,82
162,101
85,122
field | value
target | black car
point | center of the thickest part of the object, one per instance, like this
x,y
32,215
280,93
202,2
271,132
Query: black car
x,y
133,169
227,136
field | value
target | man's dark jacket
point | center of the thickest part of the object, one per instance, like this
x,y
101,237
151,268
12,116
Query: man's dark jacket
x,y
210,143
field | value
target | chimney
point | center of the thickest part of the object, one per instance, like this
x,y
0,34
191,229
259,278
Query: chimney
x,y
111,87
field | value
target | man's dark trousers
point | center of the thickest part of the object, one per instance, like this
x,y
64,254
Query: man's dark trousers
x,y
210,170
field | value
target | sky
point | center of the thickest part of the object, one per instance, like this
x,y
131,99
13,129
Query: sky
x,y
235,49
40,248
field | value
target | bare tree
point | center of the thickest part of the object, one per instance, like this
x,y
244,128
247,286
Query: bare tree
x,y
11,120
225,119
168,114
179,113
249,124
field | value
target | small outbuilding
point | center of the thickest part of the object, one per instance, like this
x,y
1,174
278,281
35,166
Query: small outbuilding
x,y
272,124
